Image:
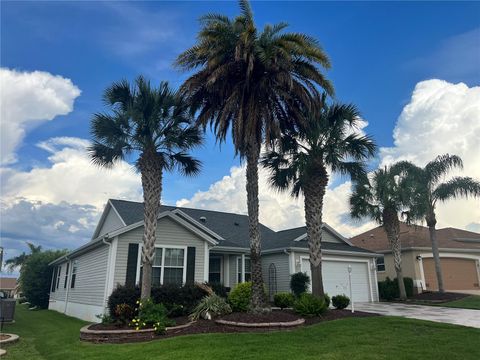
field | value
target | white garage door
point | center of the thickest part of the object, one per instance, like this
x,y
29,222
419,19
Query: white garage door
x,y
335,278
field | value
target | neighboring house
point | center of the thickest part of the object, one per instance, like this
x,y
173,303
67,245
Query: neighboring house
x,y
196,245
459,256
8,286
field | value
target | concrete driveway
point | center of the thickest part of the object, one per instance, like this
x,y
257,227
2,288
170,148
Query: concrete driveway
x,y
455,316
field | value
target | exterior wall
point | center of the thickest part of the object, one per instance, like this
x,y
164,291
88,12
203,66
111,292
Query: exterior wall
x,y
59,293
282,270
409,266
329,237
168,233
112,222
233,270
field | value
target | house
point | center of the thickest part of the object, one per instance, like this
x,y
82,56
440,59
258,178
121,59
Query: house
x,y
8,286
459,256
195,245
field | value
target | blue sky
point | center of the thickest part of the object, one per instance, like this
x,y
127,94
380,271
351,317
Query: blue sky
x,y
379,50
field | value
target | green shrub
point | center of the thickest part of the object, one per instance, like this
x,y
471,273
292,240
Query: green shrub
x,y
283,300
211,306
123,295
153,315
239,297
340,301
36,277
388,289
299,283
327,300
309,305
124,313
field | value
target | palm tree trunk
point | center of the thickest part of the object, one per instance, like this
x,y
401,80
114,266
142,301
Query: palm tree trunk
x,y
151,173
314,192
258,301
431,222
391,225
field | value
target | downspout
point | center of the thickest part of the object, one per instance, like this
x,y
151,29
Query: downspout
x,y
107,277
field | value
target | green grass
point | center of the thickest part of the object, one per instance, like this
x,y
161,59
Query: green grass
x,y
50,335
470,302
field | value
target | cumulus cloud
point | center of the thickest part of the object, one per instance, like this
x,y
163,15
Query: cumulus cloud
x,y
441,117
70,177
27,99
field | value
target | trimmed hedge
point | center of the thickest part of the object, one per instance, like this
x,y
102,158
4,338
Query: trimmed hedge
x,y
388,289
284,300
340,301
309,305
299,283
239,297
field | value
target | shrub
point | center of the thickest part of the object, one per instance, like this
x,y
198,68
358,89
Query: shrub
x,y
299,283
36,277
219,289
211,306
388,289
340,301
309,305
124,313
284,300
123,295
327,300
105,318
151,314
239,297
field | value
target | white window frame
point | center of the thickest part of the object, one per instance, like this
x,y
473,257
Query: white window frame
x,y
59,276
376,264
162,267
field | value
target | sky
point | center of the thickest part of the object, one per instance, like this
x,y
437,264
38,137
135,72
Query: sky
x,y
412,69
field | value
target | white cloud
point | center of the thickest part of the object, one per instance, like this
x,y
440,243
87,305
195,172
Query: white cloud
x,y
27,99
71,177
441,117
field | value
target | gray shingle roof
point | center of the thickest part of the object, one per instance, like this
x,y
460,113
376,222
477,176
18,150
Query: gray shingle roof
x,y
233,228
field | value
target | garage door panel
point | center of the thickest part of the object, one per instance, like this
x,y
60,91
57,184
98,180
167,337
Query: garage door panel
x,y
458,274
335,278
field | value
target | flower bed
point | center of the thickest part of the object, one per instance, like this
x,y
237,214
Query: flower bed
x,y
273,319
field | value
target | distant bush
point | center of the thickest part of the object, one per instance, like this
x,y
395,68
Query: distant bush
x,y
327,299
36,277
284,300
309,305
239,297
388,289
299,283
340,301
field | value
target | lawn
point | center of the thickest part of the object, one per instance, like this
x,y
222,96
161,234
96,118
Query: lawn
x,y
50,335
470,302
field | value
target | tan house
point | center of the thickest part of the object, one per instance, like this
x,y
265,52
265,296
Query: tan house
x,y
459,255
8,286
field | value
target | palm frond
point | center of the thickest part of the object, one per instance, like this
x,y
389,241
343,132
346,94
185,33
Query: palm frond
x,y
457,187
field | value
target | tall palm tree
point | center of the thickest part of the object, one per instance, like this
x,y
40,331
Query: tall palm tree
x,y
302,163
429,190
19,260
152,126
382,199
254,83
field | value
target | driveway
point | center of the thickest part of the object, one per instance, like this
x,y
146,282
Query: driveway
x,y
463,317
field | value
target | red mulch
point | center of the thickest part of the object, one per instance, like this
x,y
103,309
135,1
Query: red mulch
x,y
436,296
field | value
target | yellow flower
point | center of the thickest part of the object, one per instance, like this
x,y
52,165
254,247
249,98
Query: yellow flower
x,y
137,328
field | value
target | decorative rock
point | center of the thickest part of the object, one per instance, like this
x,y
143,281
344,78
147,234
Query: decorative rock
x,y
12,338
3,352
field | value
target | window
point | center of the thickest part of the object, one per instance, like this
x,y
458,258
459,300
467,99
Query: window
x,y
248,270
168,266
59,272
54,278
66,277
381,264
74,275
214,268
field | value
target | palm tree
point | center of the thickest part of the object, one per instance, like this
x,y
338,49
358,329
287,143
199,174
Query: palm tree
x,y
254,83
382,199
154,126
302,164
19,260
429,189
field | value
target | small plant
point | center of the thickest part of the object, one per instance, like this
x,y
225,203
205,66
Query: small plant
x,y
327,300
124,313
340,301
210,306
239,297
151,314
105,318
283,300
299,283
309,305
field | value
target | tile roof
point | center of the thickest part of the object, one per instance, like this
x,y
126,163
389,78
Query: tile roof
x,y
7,283
418,236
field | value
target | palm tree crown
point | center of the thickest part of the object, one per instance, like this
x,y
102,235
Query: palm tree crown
x,y
19,260
251,81
328,140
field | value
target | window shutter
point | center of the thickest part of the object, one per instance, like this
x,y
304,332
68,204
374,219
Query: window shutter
x,y
191,264
54,279
131,265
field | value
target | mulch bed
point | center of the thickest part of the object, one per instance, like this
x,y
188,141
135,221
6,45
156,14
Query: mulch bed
x,y
270,317
4,337
438,296
178,321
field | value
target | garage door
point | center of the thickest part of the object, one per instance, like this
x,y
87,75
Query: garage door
x,y
458,274
335,278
